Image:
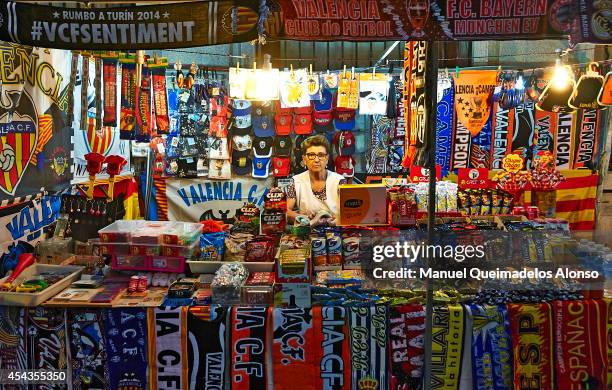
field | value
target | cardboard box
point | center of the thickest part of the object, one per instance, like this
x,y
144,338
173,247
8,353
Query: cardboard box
x,y
362,204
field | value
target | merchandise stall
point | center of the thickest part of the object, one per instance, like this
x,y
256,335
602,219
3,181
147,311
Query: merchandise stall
x,y
235,228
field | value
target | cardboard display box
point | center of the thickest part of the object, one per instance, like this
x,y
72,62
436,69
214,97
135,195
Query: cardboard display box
x,y
362,204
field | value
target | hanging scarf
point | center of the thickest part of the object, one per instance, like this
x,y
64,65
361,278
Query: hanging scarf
x,y
333,362
531,330
473,91
466,381
127,118
167,347
84,91
143,112
564,140
524,131
580,355
293,347
480,155
44,338
110,93
12,346
368,335
447,347
491,348
461,146
87,350
445,122
249,343
546,126
587,139
206,346
406,353
409,143
608,303
98,92
74,66
126,348
503,129
160,99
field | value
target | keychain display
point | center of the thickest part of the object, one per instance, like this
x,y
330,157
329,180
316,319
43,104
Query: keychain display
x,y
87,216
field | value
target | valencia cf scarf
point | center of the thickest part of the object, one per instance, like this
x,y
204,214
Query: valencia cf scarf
x,y
447,346
531,329
461,149
333,360
74,65
586,149
473,98
87,349
84,91
580,354
480,155
466,381
406,353
110,93
167,348
491,348
524,130
368,335
445,122
126,348
294,347
249,343
564,140
503,129
143,111
160,100
545,129
127,118
206,347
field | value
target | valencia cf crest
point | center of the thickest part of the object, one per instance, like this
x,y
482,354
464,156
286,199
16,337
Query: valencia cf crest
x,y
59,161
98,140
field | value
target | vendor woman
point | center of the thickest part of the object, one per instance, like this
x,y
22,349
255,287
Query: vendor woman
x,y
312,192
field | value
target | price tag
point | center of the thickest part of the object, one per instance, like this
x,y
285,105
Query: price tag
x,y
473,178
421,175
161,148
174,142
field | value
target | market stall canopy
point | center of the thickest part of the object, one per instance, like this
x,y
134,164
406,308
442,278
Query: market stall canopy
x,y
215,22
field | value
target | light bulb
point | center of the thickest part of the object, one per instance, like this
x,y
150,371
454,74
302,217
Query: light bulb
x,y
560,78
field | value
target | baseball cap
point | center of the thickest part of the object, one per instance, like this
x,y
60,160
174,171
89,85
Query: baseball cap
x,y
218,126
325,103
344,118
241,107
344,141
218,149
303,110
242,142
345,165
219,169
241,161
280,110
262,146
283,124
303,124
261,167
282,146
263,108
281,166
263,126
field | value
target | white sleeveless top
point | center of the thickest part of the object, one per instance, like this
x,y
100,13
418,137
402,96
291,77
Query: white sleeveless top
x,y
307,202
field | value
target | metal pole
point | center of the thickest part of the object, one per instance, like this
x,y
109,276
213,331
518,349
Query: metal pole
x,y
431,91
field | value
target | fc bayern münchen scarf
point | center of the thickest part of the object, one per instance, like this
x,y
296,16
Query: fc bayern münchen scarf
x,y
160,100
445,122
334,360
491,347
206,345
368,335
406,353
293,347
143,110
126,348
447,346
87,349
249,344
168,347
110,93
127,118
531,330
580,354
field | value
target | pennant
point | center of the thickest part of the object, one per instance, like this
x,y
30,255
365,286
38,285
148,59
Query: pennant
x,y
503,127
445,122
143,112
524,131
586,150
110,93
406,352
531,330
462,142
249,343
545,130
447,346
127,118
480,154
160,100
564,140
87,349
368,335
167,330
473,91
333,358
206,346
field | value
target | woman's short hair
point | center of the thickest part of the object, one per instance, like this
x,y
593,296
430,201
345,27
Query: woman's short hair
x,y
315,140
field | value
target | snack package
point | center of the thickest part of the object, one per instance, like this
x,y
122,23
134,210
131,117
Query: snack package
x,y
507,203
260,249
497,201
334,249
273,221
227,283
212,246
475,202
351,239
485,207
451,196
464,203
246,219
318,243
275,199
235,246
441,195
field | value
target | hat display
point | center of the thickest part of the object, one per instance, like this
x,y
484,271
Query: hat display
x,y
325,103
283,124
241,107
281,166
241,161
262,146
280,110
261,167
344,141
219,169
303,124
262,108
303,110
345,166
263,126
242,142
218,149
344,118
282,146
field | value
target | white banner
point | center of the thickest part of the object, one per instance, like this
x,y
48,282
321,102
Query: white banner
x,y
194,200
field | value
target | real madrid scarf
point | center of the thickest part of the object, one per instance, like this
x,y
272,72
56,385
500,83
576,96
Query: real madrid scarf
x,y
368,336
406,352
126,348
249,343
167,347
143,111
447,346
206,347
87,349
531,330
293,347
127,118
110,93
580,352
445,122
491,348
160,100
334,360
480,155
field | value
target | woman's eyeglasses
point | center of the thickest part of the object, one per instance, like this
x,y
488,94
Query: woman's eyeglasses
x,y
313,156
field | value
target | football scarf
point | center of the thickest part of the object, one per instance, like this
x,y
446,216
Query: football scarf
x,y
127,117
333,360
531,330
294,347
406,353
12,347
445,121
249,343
545,129
410,140
564,140
461,150
580,353
167,331
160,100
74,66
368,335
480,154
126,348
143,112
44,339
110,93
524,130
87,350
465,377
473,90
98,91
605,95
206,347
84,88
491,348
447,346
503,127
586,149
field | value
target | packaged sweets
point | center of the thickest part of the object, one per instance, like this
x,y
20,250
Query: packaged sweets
x,y
260,249
318,244
351,239
485,207
497,201
334,248
506,203
212,246
275,199
227,283
463,202
273,221
235,246
475,202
